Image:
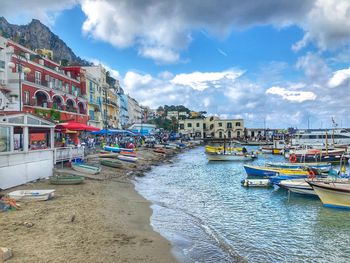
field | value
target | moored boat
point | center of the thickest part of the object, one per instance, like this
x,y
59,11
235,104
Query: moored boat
x,y
256,183
66,180
84,168
230,157
127,158
116,149
332,194
125,153
262,171
324,167
299,186
112,163
32,195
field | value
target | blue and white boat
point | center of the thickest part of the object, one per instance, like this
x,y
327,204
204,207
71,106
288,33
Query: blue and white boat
x,y
323,167
278,179
117,149
266,172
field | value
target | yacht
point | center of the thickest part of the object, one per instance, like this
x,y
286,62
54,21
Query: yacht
x,y
321,137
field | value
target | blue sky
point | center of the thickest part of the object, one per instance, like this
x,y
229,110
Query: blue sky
x,y
285,62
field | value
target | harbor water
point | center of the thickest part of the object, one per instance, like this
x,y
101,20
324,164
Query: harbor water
x,y
203,210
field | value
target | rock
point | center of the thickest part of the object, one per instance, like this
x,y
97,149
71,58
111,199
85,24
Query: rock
x,y
72,218
5,254
28,224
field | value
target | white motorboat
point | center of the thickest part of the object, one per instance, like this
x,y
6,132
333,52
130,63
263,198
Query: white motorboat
x,y
32,195
299,186
230,157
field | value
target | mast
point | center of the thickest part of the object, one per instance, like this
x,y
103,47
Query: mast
x,y
224,144
326,141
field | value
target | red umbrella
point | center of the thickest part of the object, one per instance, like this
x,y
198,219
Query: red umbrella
x,y
75,126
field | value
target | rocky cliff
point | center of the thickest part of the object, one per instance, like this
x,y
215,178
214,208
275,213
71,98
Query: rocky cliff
x,y
37,35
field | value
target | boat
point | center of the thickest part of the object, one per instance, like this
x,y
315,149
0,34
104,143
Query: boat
x,y
117,149
256,183
324,167
321,137
84,168
108,155
277,179
230,157
127,158
332,194
66,179
263,171
213,149
133,154
299,186
112,163
159,150
32,195
316,155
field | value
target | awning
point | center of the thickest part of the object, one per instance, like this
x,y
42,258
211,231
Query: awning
x,y
75,126
113,132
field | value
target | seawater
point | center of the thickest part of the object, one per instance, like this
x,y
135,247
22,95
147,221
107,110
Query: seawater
x,y
203,210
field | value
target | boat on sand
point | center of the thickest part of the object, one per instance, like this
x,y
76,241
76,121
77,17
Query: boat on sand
x,y
84,168
32,195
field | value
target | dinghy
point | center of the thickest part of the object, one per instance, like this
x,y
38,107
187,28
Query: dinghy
x,y
32,195
84,168
117,149
256,183
159,150
127,158
112,163
132,154
66,180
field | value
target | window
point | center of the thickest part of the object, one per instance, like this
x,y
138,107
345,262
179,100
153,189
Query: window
x,y
220,134
67,87
189,125
4,139
197,124
26,98
60,84
91,114
238,134
229,134
220,124
238,124
182,126
229,125
204,126
37,77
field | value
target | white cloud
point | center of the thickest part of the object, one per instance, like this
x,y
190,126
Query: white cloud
x,y
203,80
291,95
339,78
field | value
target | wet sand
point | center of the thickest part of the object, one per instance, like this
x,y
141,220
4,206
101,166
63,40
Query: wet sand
x,y
98,221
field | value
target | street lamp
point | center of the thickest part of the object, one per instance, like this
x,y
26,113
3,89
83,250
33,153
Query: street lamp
x,y
21,68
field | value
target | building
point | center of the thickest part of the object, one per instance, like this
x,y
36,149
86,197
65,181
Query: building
x,y
38,85
134,110
94,96
172,114
123,111
143,128
112,109
212,127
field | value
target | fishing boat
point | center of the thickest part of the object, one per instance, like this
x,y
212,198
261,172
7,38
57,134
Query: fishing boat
x,y
212,149
324,167
84,168
230,157
256,183
299,186
32,195
127,158
332,194
66,180
112,163
277,179
316,155
263,171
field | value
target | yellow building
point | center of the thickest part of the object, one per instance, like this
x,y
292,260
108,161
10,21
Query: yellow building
x,y
93,91
111,109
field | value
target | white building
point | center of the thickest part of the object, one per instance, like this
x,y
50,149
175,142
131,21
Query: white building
x,y
134,111
172,114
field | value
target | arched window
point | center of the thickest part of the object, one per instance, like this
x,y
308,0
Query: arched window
x,y
41,99
70,105
57,103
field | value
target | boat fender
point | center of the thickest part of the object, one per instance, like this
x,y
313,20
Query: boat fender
x,y
311,175
293,158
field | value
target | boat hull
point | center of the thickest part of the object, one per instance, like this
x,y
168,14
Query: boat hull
x,y
324,167
127,158
88,169
299,186
228,157
332,194
114,164
32,195
66,180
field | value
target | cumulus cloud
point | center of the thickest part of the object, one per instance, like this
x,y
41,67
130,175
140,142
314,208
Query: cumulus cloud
x,y
340,78
292,95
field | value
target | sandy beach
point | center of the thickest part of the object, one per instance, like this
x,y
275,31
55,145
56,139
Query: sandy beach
x,y
98,221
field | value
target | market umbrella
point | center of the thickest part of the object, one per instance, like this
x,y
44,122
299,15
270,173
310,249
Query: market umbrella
x,y
75,126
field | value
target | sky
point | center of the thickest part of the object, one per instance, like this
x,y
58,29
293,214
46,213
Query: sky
x,y
274,63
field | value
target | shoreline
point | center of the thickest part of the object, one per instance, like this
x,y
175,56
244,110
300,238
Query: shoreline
x,y
97,221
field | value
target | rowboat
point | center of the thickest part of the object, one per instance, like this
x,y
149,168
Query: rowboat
x,y
299,186
256,183
127,158
32,195
132,154
116,149
108,155
66,179
332,194
324,167
84,168
159,150
230,157
261,171
112,163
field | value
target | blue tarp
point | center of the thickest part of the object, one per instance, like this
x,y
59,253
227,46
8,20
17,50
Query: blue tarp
x,y
114,132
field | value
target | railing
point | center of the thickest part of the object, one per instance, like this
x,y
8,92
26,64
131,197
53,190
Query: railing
x,y
68,154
